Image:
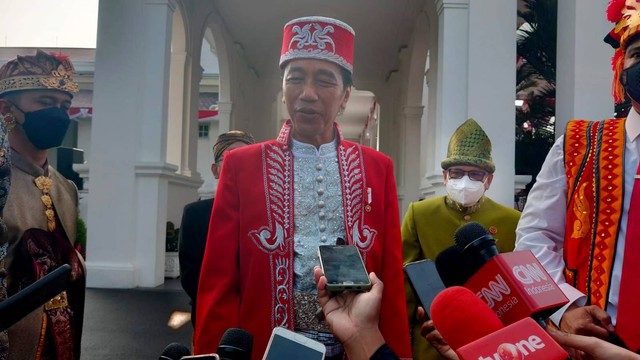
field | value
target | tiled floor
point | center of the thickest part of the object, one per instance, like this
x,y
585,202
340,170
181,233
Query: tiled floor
x,y
132,324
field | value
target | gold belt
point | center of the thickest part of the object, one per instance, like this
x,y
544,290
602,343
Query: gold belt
x,y
58,301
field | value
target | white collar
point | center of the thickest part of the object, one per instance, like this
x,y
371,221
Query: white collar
x,y
632,125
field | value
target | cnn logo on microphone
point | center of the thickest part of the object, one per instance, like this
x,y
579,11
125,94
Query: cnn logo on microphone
x,y
529,273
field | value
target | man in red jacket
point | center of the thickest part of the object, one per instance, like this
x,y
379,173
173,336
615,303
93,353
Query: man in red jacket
x,y
281,199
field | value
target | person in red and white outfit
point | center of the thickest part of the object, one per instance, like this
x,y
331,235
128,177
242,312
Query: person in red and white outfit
x,y
582,217
283,198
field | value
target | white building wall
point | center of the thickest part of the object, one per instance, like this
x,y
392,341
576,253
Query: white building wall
x,y
491,86
583,81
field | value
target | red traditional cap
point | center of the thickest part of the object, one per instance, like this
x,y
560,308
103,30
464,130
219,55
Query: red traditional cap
x,y
626,16
317,37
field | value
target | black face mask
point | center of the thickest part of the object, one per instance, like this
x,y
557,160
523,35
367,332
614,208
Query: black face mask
x,y
46,128
630,79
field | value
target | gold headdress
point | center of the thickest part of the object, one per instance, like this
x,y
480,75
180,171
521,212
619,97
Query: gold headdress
x,y
39,71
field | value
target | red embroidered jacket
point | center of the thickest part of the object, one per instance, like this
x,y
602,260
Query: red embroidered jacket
x,y
247,272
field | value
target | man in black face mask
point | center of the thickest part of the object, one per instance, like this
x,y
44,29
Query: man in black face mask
x,y
41,211
582,219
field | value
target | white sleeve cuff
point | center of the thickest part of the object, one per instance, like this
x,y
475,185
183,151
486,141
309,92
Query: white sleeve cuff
x,y
574,295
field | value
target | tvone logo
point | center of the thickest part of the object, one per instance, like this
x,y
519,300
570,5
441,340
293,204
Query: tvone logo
x,y
517,351
529,273
494,291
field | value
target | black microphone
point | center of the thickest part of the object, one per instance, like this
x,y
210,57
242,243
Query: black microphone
x,y
476,244
236,344
174,351
453,267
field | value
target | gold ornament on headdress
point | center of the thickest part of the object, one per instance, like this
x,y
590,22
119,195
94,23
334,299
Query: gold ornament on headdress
x,y
60,79
45,183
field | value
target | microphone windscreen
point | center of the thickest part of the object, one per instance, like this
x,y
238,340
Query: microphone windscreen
x,y
453,267
235,344
174,351
468,233
461,317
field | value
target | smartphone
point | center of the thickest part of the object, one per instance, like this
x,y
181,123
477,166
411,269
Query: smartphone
x,y
425,281
343,267
286,344
201,357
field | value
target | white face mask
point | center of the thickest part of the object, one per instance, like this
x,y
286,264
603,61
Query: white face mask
x,y
465,191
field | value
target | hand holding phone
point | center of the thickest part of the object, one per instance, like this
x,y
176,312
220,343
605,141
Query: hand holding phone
x,y
343,267
286,344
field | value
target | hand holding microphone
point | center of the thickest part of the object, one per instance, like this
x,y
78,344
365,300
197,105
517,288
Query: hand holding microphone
x,y
587,320
475,332
588,347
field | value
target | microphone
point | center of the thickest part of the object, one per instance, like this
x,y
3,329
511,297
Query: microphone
x,y
474,242
453,267
482,335
450,310
174,351
235,344
514,285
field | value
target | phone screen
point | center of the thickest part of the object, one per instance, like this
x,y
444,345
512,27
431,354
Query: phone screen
x,y
284,348
342,265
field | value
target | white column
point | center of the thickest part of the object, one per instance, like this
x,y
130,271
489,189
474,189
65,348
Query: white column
x,y
128,198
224,116
176,110
583,71
451,92
410,157
491,87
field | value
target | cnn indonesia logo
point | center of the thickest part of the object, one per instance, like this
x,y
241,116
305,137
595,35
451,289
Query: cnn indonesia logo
x,y
517,351
527,274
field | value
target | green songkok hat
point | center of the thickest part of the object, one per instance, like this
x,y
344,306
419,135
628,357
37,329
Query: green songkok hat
x,y
469,145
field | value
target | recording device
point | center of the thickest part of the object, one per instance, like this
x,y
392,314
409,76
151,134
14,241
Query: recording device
x,y
515,285
235,344
286,344
343,267
425,281
475,332
174,351
33,296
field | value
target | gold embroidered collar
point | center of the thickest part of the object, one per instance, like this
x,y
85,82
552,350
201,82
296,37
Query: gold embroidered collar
x,y
464,210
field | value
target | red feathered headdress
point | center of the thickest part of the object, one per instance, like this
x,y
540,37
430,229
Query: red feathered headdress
x,y
626,16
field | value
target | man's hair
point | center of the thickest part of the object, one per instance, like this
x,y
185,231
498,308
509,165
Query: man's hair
x,y
347,80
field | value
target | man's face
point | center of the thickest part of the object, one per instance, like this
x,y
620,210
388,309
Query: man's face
x,y
35,100
473,172
216,168
632,53
314,94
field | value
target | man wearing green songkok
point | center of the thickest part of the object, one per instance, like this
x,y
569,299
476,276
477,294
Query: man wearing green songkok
x,y
429,225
